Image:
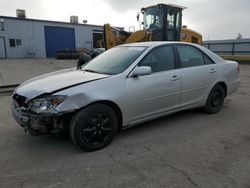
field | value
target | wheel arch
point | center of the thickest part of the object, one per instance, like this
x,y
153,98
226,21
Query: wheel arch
x,y
112,105
224,85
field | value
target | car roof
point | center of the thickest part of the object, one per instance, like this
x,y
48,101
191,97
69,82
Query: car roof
x,y
153,44
156,43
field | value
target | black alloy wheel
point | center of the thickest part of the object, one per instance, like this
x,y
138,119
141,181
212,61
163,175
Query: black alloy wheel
x,y
94,127
215,100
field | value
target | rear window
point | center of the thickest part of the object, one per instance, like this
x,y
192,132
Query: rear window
x,y
208,60
190,56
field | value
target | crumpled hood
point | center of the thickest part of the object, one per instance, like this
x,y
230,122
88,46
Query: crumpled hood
x,y
48,83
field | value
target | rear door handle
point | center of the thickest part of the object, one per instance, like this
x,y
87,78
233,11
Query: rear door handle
x,y
212,70
175,77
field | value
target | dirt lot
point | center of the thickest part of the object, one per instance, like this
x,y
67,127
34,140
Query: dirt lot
x,y
14,71
187,149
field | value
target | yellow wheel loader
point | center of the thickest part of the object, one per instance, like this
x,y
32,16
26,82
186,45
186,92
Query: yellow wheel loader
x,y
161,22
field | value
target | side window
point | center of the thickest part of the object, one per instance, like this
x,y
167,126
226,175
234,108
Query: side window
x,y
12,43
190,56
208,61
160,59
18,42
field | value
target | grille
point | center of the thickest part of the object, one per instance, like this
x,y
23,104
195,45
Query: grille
x,y
20,100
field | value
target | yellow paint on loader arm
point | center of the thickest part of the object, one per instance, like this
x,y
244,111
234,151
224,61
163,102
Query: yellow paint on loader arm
x,y
138,36
109,39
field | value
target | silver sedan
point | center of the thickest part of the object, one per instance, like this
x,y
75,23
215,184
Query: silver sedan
x,y
122,87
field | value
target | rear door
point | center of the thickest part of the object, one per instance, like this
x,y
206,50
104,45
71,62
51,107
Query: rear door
x,y
198,73
158,92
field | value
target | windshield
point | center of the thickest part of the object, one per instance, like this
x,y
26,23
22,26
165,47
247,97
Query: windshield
x,y
114,61
153,18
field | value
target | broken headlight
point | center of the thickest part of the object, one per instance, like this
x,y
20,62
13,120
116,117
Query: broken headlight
x,y
47,104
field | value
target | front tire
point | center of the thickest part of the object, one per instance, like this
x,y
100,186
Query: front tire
x,y
94,127
215,100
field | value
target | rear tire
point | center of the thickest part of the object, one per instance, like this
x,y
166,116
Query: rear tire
x,y
215,100
94,127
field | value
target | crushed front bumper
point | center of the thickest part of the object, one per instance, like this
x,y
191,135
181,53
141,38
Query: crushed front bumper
x,y
20,118
34,123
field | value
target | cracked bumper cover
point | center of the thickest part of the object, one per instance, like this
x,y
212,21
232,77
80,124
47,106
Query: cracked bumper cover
x,y
34,123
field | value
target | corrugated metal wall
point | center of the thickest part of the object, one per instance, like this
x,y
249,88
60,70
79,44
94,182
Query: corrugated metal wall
x,y
229,47
2,48
31,32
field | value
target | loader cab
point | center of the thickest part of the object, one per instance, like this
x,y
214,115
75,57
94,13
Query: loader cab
x,y
164,21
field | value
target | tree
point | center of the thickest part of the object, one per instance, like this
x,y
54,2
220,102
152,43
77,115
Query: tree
x,y
239,36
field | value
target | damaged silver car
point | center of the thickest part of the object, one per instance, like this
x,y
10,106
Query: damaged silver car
x,y
122,87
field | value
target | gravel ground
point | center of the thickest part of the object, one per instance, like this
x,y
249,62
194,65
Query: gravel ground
x,y
186,149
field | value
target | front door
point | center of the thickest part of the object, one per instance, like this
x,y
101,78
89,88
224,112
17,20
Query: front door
x,y
157,93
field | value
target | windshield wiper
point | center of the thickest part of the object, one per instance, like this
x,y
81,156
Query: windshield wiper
x,y
93,71
89,70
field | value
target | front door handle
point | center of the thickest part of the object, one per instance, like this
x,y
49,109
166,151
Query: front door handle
x,y
175,77
212,70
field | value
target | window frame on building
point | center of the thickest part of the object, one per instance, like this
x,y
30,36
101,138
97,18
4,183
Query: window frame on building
x,y
15,43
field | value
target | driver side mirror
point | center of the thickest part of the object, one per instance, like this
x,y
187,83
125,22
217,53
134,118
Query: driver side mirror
x,y
141,71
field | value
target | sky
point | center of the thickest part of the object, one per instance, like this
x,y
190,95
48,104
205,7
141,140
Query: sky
x,y
214,19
